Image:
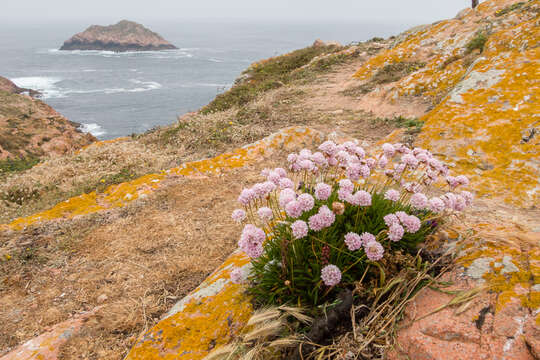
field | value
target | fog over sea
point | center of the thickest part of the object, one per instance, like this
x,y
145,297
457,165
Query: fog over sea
x,y
117,94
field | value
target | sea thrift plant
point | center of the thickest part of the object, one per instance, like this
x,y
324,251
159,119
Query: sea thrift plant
x,y
336,213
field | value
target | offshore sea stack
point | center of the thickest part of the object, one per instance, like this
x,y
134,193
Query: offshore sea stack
x,y
123,36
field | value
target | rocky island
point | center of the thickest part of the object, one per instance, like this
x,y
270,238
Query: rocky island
x,y
123,36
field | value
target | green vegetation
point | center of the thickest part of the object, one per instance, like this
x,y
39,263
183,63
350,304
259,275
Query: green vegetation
x,y
476,43
413,125
510,8
393,72
271,74
15,165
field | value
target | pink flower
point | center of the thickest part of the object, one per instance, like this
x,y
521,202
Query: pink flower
x,y
328,215
353,171
353,241
299,229
291,158
331,275
388,149
260,190
274,177
323,191
251,241
449,200
374,250
436,204
238,215
422,157
410,160
345,195
346,184
237,276
468,197
328,147
365,171
307,165
401,215
462,180
286,196
452,181
360,198
269,187
281,171
286,183
304,154
294,209
460,203
383,161
367,237
392,195
411,187
419,201
306,201
371,164
265,213
412,224
391,219
395,232
360,152
246,196
319,159
332,161
316,222
349,146
343,157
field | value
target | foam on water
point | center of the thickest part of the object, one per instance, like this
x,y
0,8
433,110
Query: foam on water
x,y
44,84
93,129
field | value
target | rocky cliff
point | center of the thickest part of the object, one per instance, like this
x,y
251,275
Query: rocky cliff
x,y
150,219
123,36
8,86
29,128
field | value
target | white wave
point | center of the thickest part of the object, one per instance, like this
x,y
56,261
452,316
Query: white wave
x,y
155,54
93,129
216,60
89,70
44,84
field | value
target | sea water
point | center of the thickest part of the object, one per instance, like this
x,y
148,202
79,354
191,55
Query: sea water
x,y
117,94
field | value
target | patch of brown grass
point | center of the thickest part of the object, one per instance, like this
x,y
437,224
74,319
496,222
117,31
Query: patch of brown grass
x,y
142,258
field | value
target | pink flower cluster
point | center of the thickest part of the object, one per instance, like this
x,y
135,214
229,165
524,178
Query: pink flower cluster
x,y
374,250
399,223
323,219
323,191
251,241
331,275
299,229
238,215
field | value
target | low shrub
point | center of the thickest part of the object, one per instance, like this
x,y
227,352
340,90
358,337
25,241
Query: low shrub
x,y
477,43
337,216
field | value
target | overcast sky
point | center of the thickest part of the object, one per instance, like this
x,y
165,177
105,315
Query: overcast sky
x,y
108,11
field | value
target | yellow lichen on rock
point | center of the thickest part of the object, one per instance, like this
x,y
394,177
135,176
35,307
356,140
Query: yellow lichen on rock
x,y
119,195
208,317
488,125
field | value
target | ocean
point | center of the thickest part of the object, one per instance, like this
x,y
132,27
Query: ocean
x,y
117,94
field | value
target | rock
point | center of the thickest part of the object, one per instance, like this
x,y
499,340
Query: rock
x,y
102,298
319,43
123,36
47,345
10,87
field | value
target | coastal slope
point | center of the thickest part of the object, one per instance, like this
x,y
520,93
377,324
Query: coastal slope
x,y
123,36
29,128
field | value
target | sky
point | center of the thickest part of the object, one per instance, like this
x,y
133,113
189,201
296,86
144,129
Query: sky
x,y
110,11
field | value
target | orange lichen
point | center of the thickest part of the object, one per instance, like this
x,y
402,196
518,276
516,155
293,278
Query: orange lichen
x,y
495,242
202,324
119,195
